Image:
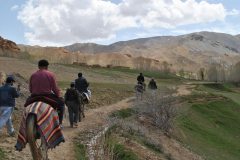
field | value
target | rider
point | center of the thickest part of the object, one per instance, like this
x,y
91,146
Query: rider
x,y
81,84
152,84
8,93
43,83
140,79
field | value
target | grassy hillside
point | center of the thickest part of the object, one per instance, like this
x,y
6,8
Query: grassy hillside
x,y
210,124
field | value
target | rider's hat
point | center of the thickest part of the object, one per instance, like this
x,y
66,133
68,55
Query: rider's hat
x,y
10,79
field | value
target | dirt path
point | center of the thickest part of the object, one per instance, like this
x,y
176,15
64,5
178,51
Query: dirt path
x,y
94,118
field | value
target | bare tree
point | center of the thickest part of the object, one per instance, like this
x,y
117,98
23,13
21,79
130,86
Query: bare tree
x,y
159,108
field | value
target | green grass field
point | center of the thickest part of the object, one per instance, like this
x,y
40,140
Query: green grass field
x,y
210,126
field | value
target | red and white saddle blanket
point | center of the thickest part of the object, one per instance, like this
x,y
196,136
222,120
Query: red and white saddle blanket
x,y
47,125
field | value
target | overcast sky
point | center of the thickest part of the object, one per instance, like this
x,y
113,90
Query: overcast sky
x,y
63,22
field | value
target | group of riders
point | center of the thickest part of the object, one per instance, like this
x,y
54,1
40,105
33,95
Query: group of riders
x,y
43,87
140,87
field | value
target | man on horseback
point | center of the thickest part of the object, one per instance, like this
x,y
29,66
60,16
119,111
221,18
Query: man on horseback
x,y
40,119
140,80
43,83
81,85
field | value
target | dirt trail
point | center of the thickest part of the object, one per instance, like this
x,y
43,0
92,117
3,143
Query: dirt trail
x,y
94,118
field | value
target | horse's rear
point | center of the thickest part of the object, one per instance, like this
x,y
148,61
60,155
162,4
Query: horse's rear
x,y
40,121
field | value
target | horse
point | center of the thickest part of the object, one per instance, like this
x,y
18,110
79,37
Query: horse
x,y
40,128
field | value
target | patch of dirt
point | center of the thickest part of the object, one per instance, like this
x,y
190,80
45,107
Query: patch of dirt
x,y
183,90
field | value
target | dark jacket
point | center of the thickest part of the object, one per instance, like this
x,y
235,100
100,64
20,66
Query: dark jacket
x,y
72,95
81,84
8,95
140,78
152,85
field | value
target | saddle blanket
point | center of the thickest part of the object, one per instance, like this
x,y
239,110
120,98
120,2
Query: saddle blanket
x,y
47,125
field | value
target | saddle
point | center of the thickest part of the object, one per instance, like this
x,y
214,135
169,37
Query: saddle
x,y
43,98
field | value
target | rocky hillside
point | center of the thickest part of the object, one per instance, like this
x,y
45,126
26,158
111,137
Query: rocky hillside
x,y
8,48
123,60
53,54
189,51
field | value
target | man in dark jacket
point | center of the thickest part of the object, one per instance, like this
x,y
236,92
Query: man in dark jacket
x,y
140,78
152,84
81,83
72,100
8,93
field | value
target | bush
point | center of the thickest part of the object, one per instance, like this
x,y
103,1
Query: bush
x,y
159,109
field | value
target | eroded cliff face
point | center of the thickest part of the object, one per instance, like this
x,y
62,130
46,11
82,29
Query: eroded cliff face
x,y
52,54
8,48
114,60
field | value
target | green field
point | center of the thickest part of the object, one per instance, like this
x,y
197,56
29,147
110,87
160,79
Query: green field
x,y
210,126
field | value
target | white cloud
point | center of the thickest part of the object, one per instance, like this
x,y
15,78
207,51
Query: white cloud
x,y
68,21
14,8
233,12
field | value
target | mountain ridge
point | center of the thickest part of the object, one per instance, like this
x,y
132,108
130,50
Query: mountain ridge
x,y
189,52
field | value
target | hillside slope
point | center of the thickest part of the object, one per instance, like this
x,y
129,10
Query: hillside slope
x,y
53,54
185,51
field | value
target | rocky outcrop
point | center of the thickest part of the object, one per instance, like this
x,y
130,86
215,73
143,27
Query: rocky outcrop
x,y
52,54
8,48
117,60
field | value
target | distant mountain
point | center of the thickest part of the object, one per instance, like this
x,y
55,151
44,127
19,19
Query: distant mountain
x,y
8,48
189,51
201,41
